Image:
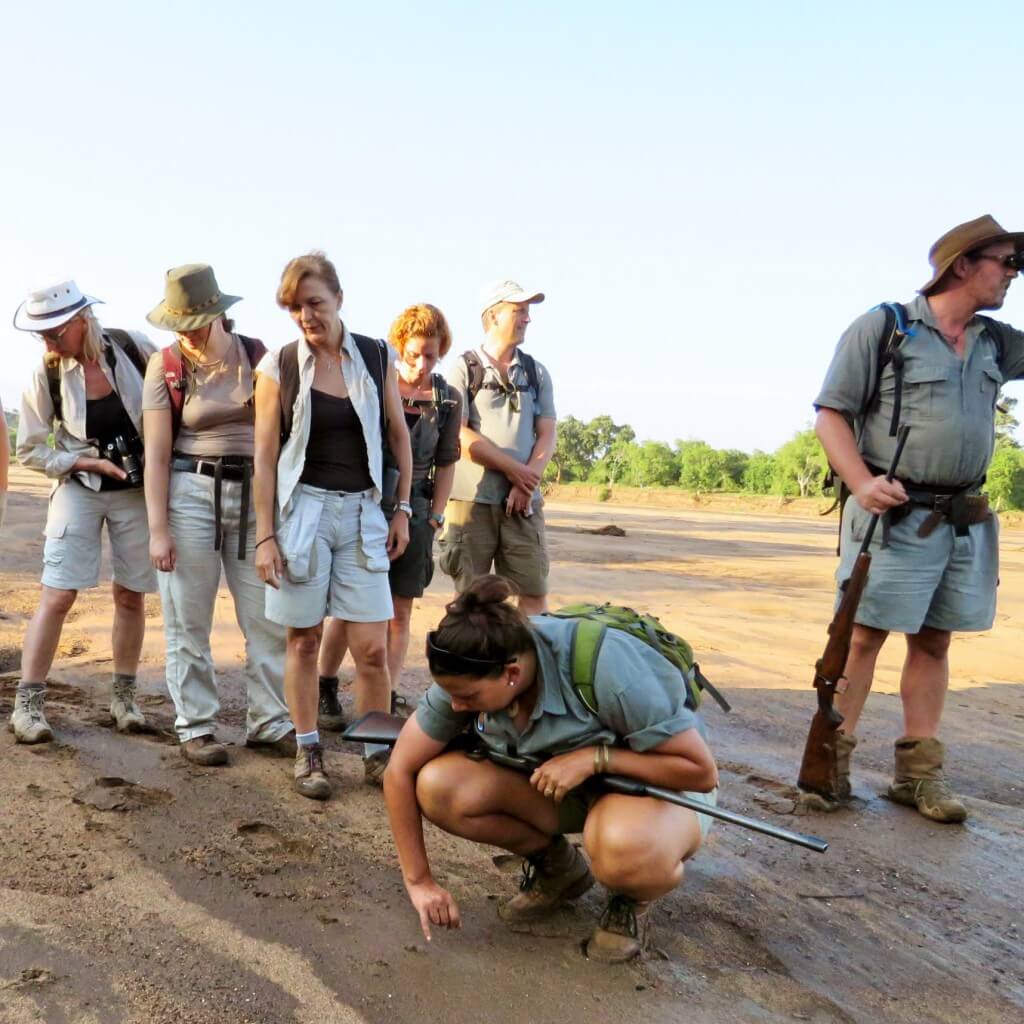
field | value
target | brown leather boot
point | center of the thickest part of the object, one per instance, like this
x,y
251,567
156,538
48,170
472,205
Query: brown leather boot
x,y
623,932
310,778
919,781
555,874
205,751
845,746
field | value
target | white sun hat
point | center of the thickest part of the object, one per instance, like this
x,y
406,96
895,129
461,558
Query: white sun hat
x,y
52,306
506,291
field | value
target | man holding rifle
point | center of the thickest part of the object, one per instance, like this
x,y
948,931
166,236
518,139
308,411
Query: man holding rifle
x,y
936,366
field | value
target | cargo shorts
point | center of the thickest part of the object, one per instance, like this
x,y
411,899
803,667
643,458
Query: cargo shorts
x,y
576,804
479,536
942,581
74,531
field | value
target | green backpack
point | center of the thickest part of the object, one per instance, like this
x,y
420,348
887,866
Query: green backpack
x,y
594,620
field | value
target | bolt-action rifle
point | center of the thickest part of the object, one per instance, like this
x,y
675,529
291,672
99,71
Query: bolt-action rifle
x,y
819,769
378,727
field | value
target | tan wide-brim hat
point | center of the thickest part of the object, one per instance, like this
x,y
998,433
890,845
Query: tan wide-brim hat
x,y
965,238
191,299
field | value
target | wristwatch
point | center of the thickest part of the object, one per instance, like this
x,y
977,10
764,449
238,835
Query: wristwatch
x,y
404,506
437,518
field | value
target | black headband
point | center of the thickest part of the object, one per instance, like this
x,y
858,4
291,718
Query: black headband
x,y
448,663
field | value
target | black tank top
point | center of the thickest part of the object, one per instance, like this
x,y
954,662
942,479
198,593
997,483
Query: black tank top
x,y
106,419
336,450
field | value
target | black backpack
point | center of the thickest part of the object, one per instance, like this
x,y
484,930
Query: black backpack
x,y
123,340
475,375
375,355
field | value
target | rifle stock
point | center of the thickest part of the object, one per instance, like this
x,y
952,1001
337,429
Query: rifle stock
x,y
379,727
819,769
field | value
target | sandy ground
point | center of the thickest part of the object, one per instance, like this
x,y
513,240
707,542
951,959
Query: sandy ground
x,y
134,887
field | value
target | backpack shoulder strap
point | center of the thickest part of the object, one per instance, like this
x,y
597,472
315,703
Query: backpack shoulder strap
x,y
895,331
288,373
529,364
587,638
174,379
374,353
53,385
255,350
126,343
474,374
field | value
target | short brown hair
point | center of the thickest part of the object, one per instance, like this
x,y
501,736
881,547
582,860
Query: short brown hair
x,y
424,321
313,264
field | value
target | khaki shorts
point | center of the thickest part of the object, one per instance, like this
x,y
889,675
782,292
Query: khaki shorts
x,y
74,530
478,536
576,804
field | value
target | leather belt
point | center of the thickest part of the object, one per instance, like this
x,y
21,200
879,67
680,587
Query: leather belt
x,y
228,467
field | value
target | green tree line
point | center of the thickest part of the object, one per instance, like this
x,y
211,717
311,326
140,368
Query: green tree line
x,y
605,452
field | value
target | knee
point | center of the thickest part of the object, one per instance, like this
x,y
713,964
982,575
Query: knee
x,y
128,600
371,657
435,792
867,642
57,603
620,856
304,643
931,642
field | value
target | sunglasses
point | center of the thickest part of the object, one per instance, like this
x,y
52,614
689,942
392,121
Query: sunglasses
x,y
447,663
1012,261
56,334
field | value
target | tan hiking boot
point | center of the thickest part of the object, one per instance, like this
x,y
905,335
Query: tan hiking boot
x,y
623,932
555,874
374,767
127,715
204,751
919,781
283,746
845,746
27,722
310,778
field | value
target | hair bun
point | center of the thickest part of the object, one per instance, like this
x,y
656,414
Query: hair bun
x,y
481,593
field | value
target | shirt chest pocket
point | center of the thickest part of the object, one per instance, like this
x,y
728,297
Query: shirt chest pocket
x,y
927,393
991,382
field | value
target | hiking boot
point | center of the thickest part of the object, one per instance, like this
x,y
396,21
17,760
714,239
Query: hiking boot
x,y
329,713
283,746
27,722
555,874
310,778
845,745
205,751
374,766
127,715
919,781
622,933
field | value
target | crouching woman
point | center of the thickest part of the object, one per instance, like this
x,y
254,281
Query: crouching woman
x,y
509,679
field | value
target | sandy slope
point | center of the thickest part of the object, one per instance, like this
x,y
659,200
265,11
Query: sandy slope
x,y
134,887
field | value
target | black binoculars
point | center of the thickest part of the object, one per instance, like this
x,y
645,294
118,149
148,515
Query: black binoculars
x,y
126,455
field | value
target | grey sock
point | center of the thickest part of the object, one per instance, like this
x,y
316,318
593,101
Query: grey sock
x,y
127,678
31,687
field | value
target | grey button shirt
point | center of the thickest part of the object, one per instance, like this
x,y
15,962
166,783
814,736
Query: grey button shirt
x,y
640,700
507,419
948,402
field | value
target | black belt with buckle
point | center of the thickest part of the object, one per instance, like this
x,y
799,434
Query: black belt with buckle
x,y
228,467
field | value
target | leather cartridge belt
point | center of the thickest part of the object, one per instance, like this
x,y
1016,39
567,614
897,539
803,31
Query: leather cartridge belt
x,y
953,504
227,467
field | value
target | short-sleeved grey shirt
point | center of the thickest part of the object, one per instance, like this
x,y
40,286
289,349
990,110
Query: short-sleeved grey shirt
x,y
948,402
218,416
507,419
640,699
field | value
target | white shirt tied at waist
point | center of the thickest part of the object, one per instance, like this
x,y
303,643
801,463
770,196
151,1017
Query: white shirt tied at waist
x,y
69,440
361,390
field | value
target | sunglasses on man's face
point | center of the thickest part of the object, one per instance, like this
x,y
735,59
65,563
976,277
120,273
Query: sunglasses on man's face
x,y
56,334
1012,261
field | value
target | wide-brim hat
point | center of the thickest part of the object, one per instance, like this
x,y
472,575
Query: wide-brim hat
x,y
52,306
506,291
191,300
963,239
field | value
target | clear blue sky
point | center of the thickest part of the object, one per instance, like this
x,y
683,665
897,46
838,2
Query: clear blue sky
x,y
707,193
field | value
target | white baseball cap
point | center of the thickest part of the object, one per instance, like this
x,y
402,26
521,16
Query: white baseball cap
x,y
506,291
52,306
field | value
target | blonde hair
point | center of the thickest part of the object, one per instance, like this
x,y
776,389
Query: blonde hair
x,y
422,321
92,339
313,264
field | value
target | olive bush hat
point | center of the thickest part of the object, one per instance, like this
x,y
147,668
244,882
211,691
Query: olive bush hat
x,y
191,299
965,238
